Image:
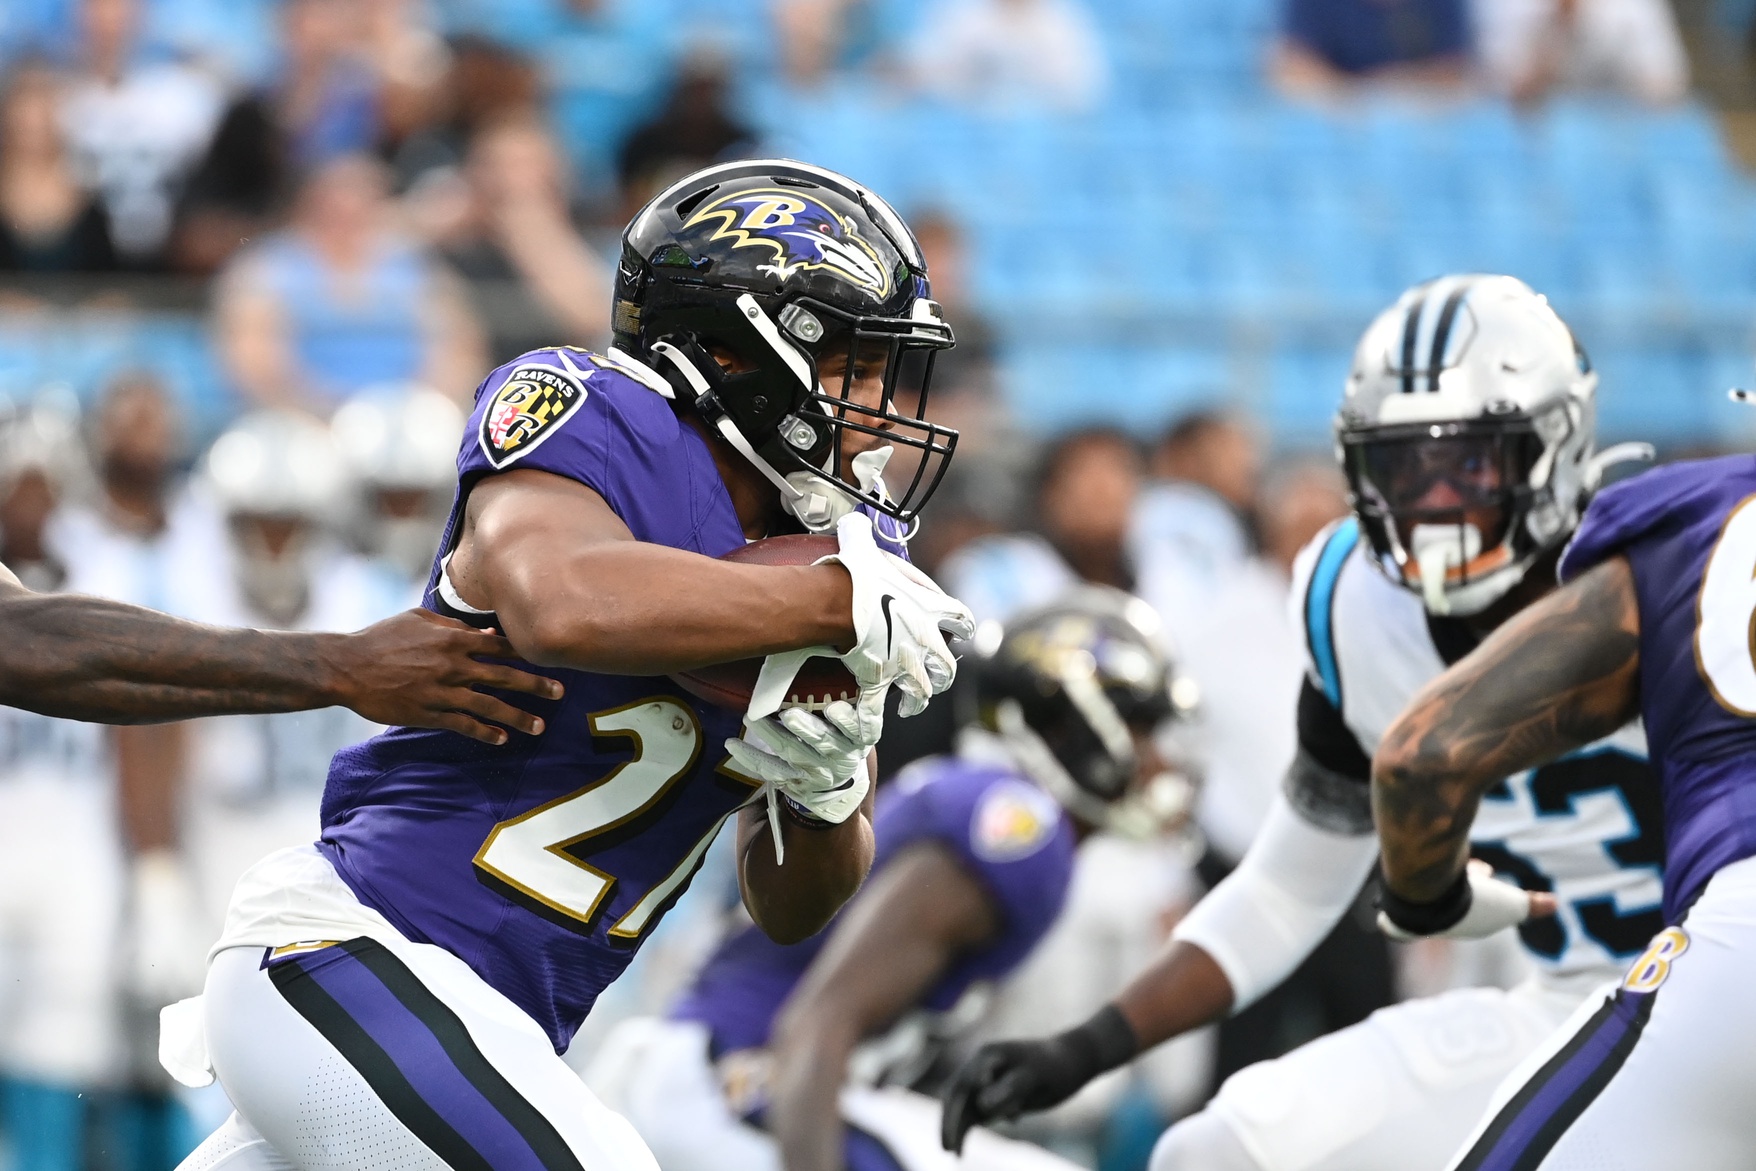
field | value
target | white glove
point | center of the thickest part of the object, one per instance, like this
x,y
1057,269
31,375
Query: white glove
x,y
817,760
899,614
901,618
1493,907
809,784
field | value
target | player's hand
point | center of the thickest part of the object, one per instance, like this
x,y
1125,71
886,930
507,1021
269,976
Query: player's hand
x,y
1007,1078
824,786
425,671
1003,1080
901,619
1493,906
828,745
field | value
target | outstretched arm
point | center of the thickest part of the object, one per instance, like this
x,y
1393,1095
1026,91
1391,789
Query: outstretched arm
x,y
1239,942
921,912
1559,675
86,658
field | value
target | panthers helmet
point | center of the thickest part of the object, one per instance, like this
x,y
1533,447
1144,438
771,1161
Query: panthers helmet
x,y
783,263
1066,686
276,463
1467,431
399,444
400,437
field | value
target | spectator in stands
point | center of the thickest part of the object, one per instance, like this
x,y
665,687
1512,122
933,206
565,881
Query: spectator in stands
x,y
506,219
696,127
1193,522
48,222
339,302
1012,53
1531,47
1298,500
325,104
1088,485
484,83
1329,47
969,366
135,128
411,63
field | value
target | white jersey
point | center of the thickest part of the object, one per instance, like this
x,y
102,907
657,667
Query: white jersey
x,y
1587,827
255,781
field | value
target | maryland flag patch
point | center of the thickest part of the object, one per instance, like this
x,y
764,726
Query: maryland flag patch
x,y
527,409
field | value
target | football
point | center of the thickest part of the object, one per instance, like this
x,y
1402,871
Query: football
x,y
820,680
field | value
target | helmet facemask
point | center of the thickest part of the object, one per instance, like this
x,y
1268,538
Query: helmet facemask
x,y
1458,511
827,448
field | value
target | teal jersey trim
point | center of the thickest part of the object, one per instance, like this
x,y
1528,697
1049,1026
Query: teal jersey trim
x,y
1320,605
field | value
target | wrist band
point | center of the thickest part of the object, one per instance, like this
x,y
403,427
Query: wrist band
x,y
1427,918
801,816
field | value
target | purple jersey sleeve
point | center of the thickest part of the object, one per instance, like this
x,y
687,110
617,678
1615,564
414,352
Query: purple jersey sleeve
x,y
1007,833
574,414
1631,510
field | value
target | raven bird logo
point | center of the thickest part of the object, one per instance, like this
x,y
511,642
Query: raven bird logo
x,y
802,233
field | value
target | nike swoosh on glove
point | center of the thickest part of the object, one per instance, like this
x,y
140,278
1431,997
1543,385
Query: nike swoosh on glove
x,y
901,619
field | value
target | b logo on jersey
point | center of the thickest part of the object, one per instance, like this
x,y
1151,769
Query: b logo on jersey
x,y
1651,969
801,232
528,407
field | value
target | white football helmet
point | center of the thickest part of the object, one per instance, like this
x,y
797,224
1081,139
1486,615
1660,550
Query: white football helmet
x,y
400,446
1467,432
400,437
278,479
276,463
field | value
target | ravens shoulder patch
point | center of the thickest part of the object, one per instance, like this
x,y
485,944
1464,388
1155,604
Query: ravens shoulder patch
x,y
529,406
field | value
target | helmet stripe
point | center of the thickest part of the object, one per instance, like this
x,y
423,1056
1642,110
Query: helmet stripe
x,y
1411,327
1442,333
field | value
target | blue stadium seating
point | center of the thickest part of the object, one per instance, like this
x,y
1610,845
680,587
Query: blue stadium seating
x,y
1198,237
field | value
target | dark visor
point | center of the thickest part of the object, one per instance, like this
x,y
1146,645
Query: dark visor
x,y
1440,469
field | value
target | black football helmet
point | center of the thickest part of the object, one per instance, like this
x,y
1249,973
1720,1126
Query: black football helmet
x,y
1065,688
784,264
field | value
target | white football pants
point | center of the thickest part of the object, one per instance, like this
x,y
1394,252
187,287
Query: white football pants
x,y
1658,1072
658,1074
1397,1092
397,1058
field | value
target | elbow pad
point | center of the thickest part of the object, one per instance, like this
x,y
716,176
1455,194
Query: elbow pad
x,y
1293,886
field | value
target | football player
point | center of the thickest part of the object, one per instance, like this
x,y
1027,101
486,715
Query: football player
x,y
1655,622
254,781
1466,433
400,992
975,853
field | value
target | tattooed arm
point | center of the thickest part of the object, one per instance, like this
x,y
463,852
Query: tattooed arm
x,y
1559,675
88,659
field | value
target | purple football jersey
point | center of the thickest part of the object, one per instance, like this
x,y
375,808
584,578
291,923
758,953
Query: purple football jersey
x,y
1003,830
1691,542
544,862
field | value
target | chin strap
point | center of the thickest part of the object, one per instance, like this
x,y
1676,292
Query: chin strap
x,y
813,499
